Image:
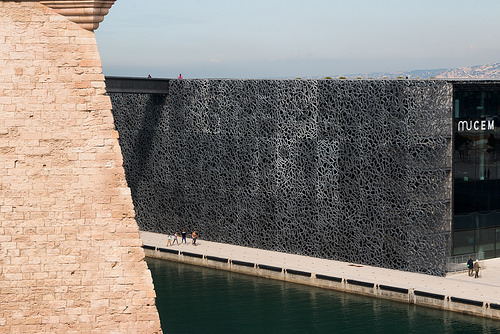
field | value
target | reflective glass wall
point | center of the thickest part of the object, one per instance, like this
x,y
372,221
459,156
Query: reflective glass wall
x,y
476,224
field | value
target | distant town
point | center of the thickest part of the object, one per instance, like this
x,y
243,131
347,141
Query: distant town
x,y
490,71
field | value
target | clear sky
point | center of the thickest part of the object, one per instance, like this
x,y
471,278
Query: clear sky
x,y
295,38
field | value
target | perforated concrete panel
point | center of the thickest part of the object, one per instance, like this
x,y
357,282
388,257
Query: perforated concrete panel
x,y
351,170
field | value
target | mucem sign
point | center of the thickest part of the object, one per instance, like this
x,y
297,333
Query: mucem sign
x,y
350,170
478,125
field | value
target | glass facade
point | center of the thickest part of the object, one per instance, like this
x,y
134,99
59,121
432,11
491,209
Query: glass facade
x,y
476,223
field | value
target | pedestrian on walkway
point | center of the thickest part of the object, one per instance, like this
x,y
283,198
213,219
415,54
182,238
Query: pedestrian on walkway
x,y
194,235
470,265
184,236
476,269
175,239
169,240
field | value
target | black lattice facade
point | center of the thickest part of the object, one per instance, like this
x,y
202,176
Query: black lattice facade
x,y
350,170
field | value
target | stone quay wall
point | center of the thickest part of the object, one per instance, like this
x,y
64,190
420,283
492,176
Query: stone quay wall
x,y
71,259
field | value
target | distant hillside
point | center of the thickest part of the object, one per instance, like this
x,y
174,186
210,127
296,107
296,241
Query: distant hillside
x,y
491,71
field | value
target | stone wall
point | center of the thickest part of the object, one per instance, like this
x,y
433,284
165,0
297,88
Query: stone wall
x,y
351,170
70,253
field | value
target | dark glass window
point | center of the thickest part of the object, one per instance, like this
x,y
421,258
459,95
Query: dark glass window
x,y
476,167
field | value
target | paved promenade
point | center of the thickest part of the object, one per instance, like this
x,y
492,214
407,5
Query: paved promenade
x,y
486,288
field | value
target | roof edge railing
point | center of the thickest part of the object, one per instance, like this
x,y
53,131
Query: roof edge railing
x,y
137,85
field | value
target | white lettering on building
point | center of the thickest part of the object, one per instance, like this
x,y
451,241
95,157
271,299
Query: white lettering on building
x,y
476,125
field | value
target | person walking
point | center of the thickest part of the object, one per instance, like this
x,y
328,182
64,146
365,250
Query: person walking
x,y
169,240
175,239
194,235
184,236
470,266
476,269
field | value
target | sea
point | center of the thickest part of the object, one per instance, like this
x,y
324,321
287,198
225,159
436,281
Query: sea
x,y
193,299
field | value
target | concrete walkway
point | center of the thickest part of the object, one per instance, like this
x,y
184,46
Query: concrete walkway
x,y
486,288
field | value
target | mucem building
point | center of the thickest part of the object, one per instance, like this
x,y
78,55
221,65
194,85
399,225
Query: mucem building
x,y
401,174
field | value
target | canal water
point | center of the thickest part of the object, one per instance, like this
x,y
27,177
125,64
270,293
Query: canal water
x,y
193,299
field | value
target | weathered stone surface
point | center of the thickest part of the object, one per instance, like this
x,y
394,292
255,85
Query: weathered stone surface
x,y
87,13
70,254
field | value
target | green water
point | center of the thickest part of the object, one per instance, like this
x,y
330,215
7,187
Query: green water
x,y
194,299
